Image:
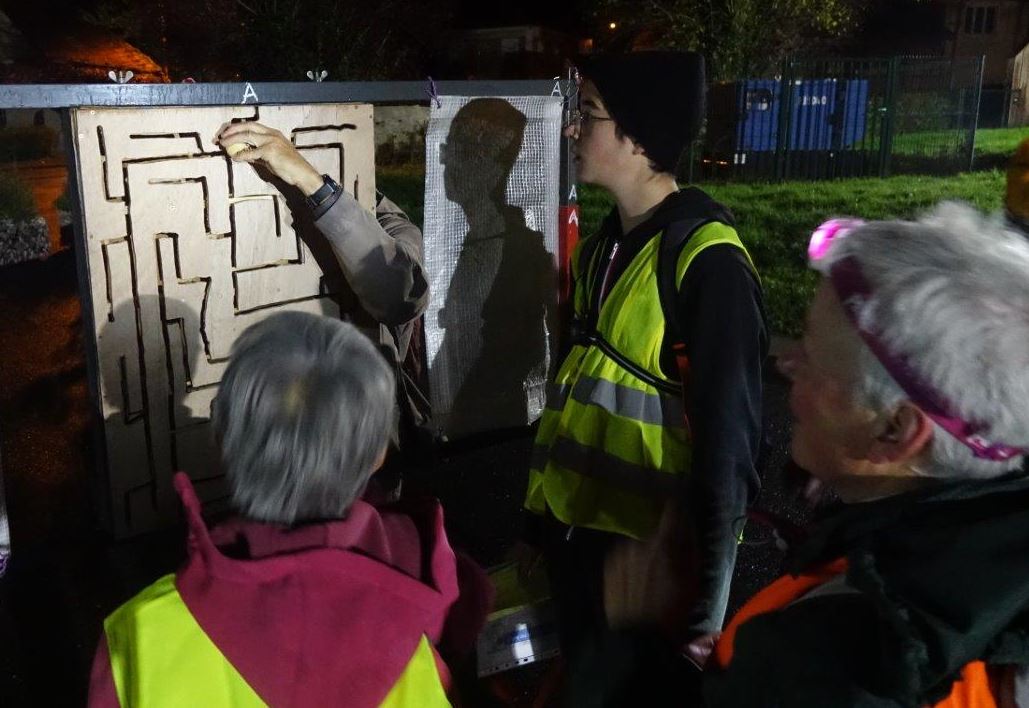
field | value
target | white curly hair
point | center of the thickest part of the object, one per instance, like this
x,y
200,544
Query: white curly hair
x,y
950,293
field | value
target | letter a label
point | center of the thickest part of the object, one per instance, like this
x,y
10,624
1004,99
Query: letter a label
x,y
249,92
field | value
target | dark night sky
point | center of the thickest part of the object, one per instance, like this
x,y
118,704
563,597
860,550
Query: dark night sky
x,y
559,14
892,23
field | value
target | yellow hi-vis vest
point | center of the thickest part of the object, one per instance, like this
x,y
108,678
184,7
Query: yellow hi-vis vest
x,y
160,656
611,448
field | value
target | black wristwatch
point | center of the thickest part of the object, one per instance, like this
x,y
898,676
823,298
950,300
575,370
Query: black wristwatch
x,y
323,193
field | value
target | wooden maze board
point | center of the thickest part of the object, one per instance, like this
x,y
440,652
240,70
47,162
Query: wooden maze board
x,y
182,250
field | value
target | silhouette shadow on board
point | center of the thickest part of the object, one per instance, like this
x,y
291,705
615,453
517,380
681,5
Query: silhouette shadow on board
x,y
155,423
504,279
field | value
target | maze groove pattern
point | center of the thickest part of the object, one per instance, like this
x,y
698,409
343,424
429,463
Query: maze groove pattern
x,y
183,250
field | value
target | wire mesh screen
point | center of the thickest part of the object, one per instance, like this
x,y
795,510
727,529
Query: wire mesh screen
x,y
491,205
823,119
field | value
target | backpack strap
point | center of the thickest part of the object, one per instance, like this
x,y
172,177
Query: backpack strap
x,y
705,210
702,210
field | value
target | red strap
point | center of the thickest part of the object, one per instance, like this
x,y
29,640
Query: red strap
x,y
974,689
776,596
682,363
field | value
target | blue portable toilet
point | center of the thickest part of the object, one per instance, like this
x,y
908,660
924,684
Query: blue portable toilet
x,y
811,108
854,112
757,122
826,114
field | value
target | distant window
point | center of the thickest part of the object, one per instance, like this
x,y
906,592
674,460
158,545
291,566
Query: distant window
x,y
980,19
39,118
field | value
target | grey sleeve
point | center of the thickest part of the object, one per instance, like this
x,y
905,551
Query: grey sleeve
x,y
381,257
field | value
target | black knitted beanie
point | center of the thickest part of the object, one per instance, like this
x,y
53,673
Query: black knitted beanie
x,y
656,98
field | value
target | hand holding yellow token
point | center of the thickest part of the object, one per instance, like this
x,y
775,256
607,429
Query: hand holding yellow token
x,y
252,142
234,149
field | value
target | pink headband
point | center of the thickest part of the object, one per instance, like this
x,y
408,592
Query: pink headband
x,y
853,290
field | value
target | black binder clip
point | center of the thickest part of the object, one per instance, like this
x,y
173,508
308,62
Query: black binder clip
x,y
432,93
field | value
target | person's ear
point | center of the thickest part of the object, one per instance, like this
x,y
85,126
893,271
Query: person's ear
x,y
907,433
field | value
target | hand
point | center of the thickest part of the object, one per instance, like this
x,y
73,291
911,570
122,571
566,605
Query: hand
x,y
700,649
274,151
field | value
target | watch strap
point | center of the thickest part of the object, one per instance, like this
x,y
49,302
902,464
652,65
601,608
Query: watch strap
x,y
323,193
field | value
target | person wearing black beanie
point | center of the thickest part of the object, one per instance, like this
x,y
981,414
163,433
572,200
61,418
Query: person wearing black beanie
x,y
646,456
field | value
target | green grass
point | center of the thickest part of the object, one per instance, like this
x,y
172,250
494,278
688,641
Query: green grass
x,y
993,146
405,185
776,220
998,144
15,199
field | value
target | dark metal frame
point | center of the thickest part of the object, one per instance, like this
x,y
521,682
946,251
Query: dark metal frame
x,y
111,95
62,97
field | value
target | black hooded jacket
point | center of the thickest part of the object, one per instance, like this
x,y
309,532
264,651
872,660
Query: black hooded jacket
x,y
720,317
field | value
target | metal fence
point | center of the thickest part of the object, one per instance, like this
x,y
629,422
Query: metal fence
x,y
824,119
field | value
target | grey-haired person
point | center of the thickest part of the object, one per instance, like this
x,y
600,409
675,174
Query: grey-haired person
x,y
312,596
908,399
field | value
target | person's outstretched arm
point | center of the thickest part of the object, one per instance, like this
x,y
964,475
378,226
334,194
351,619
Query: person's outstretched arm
x,y
380,254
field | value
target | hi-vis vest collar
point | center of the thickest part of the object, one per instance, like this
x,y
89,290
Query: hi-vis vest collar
x,y
322,626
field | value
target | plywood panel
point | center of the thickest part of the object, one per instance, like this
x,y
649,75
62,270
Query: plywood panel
x,y
185,249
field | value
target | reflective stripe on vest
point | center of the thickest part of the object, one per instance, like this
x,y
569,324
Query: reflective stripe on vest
x,y
612,448
973,689
160,656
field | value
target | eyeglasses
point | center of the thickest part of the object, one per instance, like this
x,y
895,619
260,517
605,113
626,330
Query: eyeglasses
x,y
582,119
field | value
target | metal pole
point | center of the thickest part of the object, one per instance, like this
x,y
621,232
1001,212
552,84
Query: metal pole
x,y
886,145
782,145
568,222
975,114
140,95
